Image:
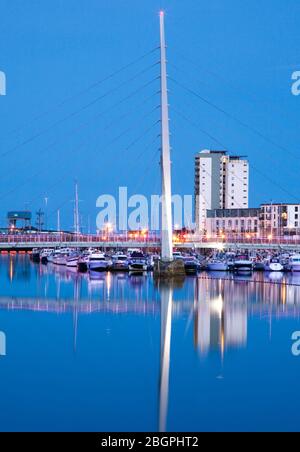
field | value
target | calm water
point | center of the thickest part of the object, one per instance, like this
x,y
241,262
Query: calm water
x,y
123,353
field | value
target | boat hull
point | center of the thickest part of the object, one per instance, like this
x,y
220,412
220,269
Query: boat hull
x,y
217,267
136,267
295,267
116,267
274,267
243,267
72,263
82,267
98,266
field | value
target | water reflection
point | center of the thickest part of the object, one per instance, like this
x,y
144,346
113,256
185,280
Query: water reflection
x,y
220,318
216,308
166,297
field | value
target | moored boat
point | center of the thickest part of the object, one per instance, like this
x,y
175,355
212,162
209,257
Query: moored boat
x,y
35,255
137,262
242,265
294,262
98,262
72,260
120,262
217,265
191,265
273,265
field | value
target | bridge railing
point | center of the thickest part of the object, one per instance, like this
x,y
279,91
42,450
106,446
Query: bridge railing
x,y
150,238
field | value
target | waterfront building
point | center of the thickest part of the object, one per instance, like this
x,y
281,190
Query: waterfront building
x,y
19,220
233,222
279,219
221,182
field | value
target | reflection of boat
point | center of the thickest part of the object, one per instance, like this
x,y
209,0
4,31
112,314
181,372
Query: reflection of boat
x,y
275,276
96,276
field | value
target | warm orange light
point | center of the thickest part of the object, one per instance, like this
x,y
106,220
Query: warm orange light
x,y
270,237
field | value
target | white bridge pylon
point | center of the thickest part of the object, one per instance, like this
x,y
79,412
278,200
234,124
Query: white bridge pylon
x,y
166,209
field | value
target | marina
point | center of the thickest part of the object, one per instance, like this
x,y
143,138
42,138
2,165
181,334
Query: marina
x,y
135,260
226,331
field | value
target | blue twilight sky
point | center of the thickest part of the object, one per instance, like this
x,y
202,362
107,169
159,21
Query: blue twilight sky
x,y
57,124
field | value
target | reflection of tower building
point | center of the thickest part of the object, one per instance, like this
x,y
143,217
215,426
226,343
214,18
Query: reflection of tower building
x,y
235,324
219,321
2,344
202,317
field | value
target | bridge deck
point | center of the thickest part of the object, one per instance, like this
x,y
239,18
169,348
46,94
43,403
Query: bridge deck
x,y
28,242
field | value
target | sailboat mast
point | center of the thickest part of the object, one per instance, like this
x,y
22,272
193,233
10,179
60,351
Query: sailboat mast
x,y
76,211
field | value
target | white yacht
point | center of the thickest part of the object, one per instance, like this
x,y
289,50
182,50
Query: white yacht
x,y
98,262
294,263
60,256
273,265
137,262
45,255
243,265
72,260
217,265
120,262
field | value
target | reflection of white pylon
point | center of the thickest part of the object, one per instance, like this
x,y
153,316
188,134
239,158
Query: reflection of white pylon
x,y
2,344
2,84
75,312
166,294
